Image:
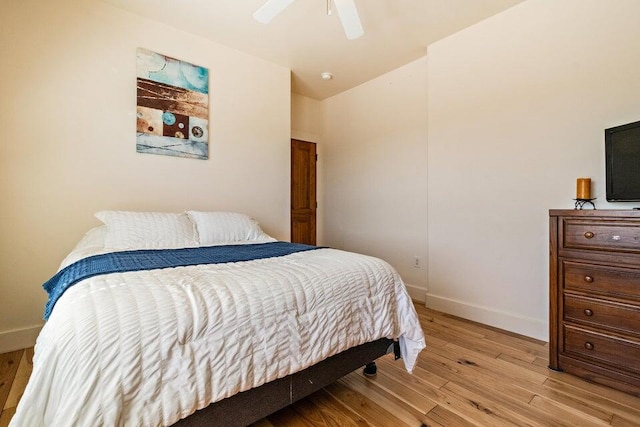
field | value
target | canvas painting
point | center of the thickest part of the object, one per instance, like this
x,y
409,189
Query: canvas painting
x,y
172,107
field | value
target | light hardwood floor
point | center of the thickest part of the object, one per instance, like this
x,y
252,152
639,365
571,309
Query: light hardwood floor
x,y
469,375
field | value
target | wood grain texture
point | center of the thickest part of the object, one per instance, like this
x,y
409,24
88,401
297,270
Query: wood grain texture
x,y
5,416
303,192
595,296
177,100
9,363
469,375
21,378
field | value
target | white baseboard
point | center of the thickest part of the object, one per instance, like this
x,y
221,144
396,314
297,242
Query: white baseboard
x,y
489,316
18,339
416,293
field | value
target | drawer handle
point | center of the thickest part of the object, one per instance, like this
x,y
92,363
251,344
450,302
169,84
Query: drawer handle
x,y
588,312
589,235
588,345
588,279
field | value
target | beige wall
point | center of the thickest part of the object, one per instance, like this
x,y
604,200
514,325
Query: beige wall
x,y
518,105
67,150
374,171
306,118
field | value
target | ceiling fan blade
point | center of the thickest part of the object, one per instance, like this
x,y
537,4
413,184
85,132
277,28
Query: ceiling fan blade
x,y
270,10
349,17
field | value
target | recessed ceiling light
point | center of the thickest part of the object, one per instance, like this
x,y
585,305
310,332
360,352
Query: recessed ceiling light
x,y
326,75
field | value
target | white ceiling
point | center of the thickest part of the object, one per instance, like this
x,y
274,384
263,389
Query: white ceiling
x,y
306,40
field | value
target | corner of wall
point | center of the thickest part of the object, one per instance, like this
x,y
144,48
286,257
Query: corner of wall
x,y
489,316
416,293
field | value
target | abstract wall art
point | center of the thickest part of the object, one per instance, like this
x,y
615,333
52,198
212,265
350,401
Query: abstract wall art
x,y
172,107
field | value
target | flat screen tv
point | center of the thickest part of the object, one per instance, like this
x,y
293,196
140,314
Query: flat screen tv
x,y
622,153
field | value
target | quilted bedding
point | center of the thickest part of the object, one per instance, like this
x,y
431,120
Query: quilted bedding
x,y
151,347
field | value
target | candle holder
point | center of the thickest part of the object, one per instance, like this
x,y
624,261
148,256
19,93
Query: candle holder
x,y
579,203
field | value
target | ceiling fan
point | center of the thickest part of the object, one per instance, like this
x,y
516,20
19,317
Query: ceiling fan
x,y
346,9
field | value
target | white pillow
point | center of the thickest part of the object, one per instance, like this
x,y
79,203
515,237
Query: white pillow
x,y
218,228
92,243
147,230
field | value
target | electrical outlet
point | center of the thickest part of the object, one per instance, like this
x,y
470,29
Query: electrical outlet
x,y
416,262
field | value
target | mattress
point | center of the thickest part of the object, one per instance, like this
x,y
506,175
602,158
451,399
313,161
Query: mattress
x,y
151,347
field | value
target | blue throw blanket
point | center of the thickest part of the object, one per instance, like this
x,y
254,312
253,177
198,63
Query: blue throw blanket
x,y
151,259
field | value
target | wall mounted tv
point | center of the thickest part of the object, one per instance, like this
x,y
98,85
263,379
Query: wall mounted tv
x,y
622,153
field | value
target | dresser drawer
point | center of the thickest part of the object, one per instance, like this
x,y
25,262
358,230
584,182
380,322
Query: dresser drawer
x,y
594,295
600,313
611,350
620,236
614,281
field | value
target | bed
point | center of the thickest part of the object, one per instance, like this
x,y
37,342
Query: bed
x,y
205,326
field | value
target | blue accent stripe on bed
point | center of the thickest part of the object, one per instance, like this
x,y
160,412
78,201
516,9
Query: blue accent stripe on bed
x,y
151,259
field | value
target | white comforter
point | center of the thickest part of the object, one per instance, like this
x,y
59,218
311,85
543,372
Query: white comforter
x,y
151,347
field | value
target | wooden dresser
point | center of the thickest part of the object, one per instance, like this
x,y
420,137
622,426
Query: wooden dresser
x,y
594,310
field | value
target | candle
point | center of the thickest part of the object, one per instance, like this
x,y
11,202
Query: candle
x,y
583,190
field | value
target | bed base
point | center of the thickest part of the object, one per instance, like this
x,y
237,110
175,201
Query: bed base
x,y
250,406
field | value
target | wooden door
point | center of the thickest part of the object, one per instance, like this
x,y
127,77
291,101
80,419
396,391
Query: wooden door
x,y
303,192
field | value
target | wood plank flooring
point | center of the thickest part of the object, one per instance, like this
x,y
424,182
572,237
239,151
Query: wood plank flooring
x,y
469,375
15,369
